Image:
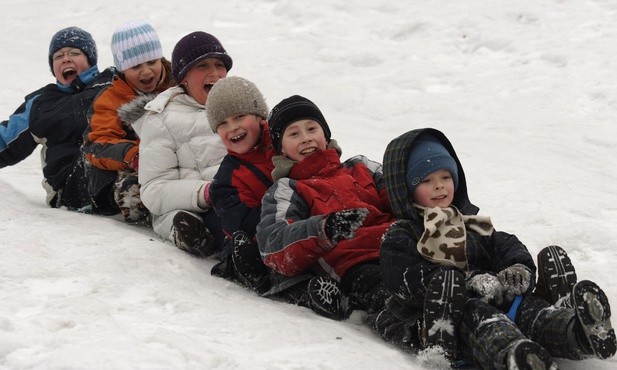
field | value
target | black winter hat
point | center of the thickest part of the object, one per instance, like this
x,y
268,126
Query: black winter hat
x,y
194,47
73,37
290,110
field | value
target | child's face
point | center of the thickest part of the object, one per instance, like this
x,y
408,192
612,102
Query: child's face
x,y
241,133
302,138
68,63
200,78
435,190
144,77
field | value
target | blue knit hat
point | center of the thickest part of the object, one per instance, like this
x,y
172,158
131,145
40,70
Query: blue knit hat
x,y
193,48
133,43
428,155
73,37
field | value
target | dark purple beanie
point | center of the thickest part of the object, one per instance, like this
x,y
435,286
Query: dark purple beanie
x,y
290,110
194,47
73,37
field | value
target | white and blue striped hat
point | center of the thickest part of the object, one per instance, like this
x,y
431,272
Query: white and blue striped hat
x,y
134,43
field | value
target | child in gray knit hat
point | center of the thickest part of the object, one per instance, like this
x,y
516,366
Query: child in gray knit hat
x,y
55,116
111,144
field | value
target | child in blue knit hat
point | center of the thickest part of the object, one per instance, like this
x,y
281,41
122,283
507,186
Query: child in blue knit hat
x,y
111,143
55,116
453,277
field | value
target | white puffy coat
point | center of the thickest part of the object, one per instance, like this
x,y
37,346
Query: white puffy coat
x,y
178,155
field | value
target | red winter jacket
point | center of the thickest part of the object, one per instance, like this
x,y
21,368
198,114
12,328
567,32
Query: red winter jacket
x,y
290,235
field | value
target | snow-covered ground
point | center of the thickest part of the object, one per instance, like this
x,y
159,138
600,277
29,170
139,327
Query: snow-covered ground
x,y
525,90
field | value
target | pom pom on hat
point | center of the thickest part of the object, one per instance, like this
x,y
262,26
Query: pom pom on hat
x,y
428,155
232,96
194,47
133,43
290,110
73,37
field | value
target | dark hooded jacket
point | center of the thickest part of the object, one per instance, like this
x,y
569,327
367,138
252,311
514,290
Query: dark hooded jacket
x,y
406,273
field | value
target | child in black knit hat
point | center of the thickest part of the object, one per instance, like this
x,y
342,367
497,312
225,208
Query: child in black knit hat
x,y
323,217
55,116
453,277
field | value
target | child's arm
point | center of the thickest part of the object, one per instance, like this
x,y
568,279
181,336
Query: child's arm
x,y
290,240
16,141
234,201
404,271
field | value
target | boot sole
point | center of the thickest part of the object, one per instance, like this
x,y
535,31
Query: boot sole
x,y
594,312
559,275
528,355
443,309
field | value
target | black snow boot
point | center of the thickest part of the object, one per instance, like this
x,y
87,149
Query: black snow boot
x,y
443,308
575,333
593,313
364,286
493,341
326,298
248,265
397,324
556,276
191,235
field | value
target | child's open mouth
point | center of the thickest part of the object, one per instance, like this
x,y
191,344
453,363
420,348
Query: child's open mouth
x,y
69,72
237,138
208,87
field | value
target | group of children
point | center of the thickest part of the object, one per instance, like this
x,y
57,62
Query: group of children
x,y
201,157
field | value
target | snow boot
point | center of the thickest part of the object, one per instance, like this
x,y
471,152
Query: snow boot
x,y
326,297
189,234
126,195
364,286
248,265
593,313
397,324
489,338
443,307
556,276
527,355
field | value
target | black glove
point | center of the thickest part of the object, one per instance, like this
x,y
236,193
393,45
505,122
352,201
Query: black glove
x,y
515,280
343,224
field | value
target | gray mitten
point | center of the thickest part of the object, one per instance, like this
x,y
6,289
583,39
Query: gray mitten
x,y
343,224
515,280
487,286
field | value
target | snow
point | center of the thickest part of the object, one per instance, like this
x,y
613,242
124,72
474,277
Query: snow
x,y
526,91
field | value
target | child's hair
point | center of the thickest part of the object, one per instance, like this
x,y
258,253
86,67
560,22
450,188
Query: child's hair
x,y
193,48
428,155
290,110
231,96
133,43
73,37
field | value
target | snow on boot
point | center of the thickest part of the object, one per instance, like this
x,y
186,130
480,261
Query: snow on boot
x,y
326,297
488,337
593,312
443,306
126,195
247,262
527,355
189,234
556,276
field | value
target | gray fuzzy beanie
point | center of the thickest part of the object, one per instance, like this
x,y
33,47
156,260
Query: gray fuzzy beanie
x,y
232,96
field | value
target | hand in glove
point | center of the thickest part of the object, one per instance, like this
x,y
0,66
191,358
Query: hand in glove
x,y
515,280
487,287
343,224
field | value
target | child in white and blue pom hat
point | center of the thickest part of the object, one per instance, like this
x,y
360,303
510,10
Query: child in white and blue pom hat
x,y
133,43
